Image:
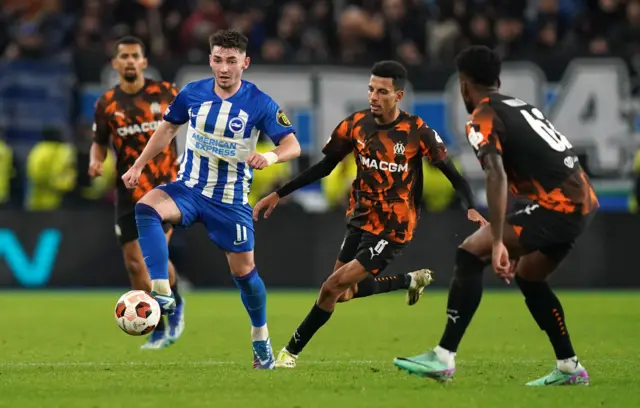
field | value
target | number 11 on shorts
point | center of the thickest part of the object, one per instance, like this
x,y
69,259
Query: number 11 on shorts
x,y
241,234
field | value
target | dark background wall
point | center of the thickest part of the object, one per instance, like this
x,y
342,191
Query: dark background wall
x,y
293,249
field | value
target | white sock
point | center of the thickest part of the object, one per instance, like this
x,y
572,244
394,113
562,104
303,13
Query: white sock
x,y
570,365
259,333
161,286
445,356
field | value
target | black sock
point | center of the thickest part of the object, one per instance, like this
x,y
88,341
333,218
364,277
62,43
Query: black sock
x,y
464,298
547,312
309,326
382,284
174,290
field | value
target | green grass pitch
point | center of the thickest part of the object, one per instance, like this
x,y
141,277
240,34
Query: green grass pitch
x,y
63,349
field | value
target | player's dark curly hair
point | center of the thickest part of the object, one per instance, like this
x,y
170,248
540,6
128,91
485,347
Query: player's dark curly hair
x,y
391,69
128,40
229,39
480,64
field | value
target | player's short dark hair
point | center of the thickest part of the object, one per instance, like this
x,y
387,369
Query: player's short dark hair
x,y
391,69
229,39
128,40
481,64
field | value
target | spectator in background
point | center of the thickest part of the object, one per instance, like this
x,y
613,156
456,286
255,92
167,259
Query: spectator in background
x,y
404,31
207,18
596,23
509,31
625,37
34,29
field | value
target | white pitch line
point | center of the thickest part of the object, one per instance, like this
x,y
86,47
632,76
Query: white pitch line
x,y
232,363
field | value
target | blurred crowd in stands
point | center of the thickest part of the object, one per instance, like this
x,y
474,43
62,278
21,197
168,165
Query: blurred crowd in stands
x,y
41,167
326,31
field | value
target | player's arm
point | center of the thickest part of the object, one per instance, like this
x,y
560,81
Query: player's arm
x,y
314,173
101,136
288,148
496,180
486,132
159,140
338,146
275,124
458,182
434,148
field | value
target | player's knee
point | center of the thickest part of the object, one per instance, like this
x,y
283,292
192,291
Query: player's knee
x,y
331,288
346,296
145,212
471,245
468,264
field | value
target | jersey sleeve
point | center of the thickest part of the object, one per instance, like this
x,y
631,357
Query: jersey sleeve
x,y
100,127
340,143
177,112
485,132
274,122
431,144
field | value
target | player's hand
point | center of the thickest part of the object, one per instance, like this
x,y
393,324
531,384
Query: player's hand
x,y
131,177
257,161
475,216
500,262
269,203
95,168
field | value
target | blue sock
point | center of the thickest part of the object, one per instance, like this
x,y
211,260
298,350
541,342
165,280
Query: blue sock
x,y
254,297
152,241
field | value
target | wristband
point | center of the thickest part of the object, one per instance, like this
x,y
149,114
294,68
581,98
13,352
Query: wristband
x,y
271,158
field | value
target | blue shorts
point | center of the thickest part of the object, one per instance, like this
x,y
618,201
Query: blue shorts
x,y
230,227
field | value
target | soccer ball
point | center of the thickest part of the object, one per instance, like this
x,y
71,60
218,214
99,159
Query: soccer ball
x,y
137,313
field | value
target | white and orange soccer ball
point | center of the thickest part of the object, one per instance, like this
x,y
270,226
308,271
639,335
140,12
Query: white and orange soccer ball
x,y
137,313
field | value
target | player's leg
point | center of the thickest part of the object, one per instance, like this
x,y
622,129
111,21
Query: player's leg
x,y
413,282
253,294
332,289
545,307
231,229
176,320
127,234
346,277
167,203
465,293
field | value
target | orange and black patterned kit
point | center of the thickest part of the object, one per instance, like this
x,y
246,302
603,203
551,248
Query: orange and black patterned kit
x,y
384,204
126,122
541,168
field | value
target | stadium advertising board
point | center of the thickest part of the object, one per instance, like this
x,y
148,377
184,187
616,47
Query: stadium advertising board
x,y
294,249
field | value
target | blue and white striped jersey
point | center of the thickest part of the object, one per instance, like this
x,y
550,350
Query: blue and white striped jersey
x,y
221,135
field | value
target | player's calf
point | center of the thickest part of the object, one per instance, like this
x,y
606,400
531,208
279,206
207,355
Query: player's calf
x,y
254,298
547,311
135,266
344,278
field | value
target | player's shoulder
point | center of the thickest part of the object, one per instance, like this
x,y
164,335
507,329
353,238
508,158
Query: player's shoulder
x,y
255,94
107,98
358,116
414,120
486,108
163,85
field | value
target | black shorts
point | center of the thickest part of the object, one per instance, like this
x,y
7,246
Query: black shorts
x,y
127,231
550,232
372,251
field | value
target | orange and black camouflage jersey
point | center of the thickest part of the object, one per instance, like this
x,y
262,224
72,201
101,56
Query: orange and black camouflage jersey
x,y
128,121
539,161
386,192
